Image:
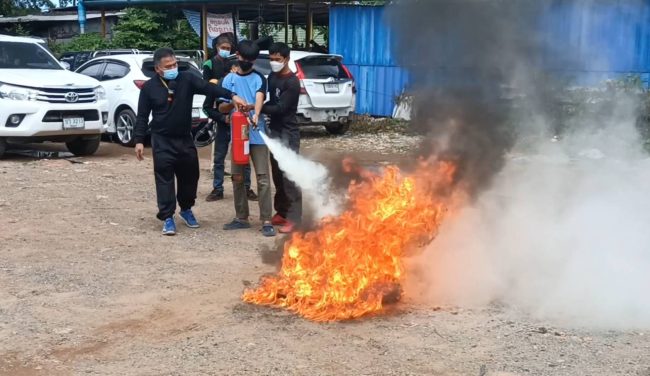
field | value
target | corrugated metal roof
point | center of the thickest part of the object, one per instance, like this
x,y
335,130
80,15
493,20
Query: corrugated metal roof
x,y
54,17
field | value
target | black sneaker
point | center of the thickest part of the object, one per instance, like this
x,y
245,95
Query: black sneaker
x,y
215,195
251,195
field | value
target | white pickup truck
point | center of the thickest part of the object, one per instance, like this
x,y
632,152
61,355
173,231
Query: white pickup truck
x,y
42,101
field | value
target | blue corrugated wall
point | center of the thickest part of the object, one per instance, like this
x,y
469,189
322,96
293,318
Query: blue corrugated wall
x,y
362,37
589,41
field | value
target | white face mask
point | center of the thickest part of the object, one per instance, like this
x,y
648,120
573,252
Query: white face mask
x,y
277,66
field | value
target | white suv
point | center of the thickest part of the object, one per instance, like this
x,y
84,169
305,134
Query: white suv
x,y
327,88
123,76
42,101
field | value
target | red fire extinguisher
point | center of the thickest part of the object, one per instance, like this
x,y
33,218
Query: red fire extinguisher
x,y
240,143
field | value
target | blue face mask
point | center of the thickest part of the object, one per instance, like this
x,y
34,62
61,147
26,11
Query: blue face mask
x,y
224,53
170,74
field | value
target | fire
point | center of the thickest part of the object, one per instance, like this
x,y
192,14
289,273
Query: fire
x,y
343,269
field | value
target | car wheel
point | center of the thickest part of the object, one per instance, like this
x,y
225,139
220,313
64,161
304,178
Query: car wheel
x,y
204,134
3,147
337,128
124,127
82,147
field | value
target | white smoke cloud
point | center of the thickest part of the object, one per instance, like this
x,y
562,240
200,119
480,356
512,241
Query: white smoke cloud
x,y
563,233
312,177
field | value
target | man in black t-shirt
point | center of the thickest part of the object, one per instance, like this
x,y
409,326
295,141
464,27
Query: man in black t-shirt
x,y
284,92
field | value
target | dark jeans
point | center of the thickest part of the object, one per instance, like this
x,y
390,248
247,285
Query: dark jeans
x,y
288,196
222,142
174,157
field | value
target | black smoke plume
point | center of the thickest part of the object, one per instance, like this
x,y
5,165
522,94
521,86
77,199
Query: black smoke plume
x,y
468,60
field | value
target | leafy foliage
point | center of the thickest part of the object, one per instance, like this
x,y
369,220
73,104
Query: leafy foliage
x,y
88,42
23,7
142,29
139,28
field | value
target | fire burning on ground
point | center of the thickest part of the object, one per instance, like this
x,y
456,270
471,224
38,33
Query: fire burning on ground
x,y
348,266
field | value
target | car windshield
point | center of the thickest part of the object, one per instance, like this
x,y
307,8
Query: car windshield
x,y
316,67
20,55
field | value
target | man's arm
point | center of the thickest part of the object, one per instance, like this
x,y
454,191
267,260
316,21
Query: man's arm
x,y
213,113
200,86
287,99
141,122
142,119
260,96
207,70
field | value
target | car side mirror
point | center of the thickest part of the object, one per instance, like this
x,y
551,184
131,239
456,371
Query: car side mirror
x,y
65,64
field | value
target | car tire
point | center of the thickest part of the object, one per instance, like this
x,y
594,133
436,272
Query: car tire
x,y
82,147
3,147
125,127
337,128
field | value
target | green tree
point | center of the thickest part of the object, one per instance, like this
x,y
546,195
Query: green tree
x,y
23,7
139,28
88,42
181,36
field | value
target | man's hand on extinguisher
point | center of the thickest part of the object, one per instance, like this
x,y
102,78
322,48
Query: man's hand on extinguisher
x,y
238,102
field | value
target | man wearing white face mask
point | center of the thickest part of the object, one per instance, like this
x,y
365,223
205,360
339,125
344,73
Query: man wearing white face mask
x,y
284,91
168,98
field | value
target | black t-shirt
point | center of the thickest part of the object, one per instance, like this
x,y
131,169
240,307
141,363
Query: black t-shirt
x,y
171,118
216,68
284,92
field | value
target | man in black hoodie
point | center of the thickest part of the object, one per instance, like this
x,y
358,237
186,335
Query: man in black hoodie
x,y
168,98
284,92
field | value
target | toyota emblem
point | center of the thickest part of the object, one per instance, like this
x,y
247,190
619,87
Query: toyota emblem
x,y
71,97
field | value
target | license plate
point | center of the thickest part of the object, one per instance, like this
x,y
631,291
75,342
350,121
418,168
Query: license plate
x,y
331,88
73,123
196,113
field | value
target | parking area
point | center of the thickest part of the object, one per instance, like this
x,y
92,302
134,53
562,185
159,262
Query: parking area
x,y
91,287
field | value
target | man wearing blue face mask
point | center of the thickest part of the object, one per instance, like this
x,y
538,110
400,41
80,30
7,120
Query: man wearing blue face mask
x,y
167,97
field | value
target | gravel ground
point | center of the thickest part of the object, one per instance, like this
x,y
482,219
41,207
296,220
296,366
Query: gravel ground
x,y
90,287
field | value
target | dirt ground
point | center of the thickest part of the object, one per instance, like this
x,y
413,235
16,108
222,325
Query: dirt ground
x,y
88,286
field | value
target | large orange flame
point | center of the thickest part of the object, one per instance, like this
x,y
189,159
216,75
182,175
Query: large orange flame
x,y
341,270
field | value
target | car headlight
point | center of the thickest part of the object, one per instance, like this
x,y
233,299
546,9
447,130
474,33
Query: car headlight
x,y
100,92
17,93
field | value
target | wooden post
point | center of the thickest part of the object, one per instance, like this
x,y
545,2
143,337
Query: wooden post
x,y
204,29
103,23
286,22
310,25
236,24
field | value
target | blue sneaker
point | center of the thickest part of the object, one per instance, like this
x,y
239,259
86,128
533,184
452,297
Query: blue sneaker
x,y
189,219
169,227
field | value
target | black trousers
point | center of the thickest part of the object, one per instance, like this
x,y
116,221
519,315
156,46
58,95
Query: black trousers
x,y
288,196
174,157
